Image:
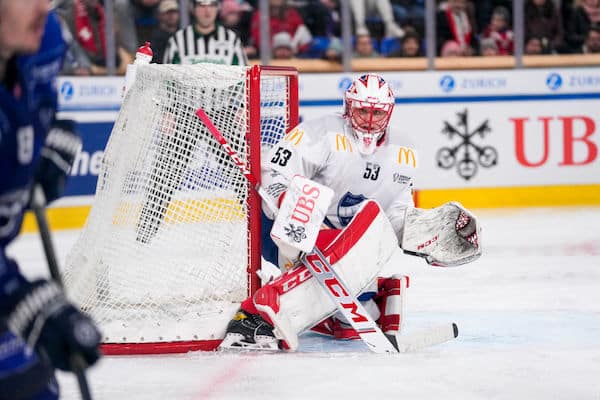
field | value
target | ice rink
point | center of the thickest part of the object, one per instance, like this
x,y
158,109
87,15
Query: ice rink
x,y
528,314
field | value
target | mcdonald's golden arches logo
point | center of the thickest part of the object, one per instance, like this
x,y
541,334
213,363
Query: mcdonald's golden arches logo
x,y
407,156
295,136
342,143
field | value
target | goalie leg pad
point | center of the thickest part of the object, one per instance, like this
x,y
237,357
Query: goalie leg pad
x,y
324,327
357,254
388,310
391,301
342,328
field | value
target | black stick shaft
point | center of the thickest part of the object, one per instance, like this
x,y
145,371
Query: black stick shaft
x,y
38,203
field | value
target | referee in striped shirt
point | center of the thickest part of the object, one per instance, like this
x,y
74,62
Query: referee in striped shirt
x,y
205,40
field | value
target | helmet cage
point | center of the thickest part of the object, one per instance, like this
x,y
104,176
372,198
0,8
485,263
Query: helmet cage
x,y
369,105
369,117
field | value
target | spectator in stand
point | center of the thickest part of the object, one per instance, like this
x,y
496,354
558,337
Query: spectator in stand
x,y
362,8
592,41
143,15
499,31
168,23
484,9
534,46
455,23
205,40
322,17
282,46
85,19
76,62
488,47
124,19
410,12
236,16
231,14
543,20
282,18
586,13
363,47
409,47
334,50
452,48
566,9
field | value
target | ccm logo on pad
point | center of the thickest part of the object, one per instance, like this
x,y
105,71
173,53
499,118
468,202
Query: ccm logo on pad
x,y
427,243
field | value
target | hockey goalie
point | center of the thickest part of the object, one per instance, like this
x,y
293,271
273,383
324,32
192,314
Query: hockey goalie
x,y
342,184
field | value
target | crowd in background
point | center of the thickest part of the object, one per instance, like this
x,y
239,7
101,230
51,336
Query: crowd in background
x,y
312,28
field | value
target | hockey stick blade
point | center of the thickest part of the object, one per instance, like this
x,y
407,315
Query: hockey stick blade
x,y
425,338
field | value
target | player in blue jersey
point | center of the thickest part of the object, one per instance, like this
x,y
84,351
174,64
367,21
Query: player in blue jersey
x,y
39,329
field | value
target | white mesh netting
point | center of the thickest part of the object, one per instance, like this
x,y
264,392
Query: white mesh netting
x,y
164,253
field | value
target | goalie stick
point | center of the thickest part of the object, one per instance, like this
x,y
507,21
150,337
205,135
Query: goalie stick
x,y
375,339
336,289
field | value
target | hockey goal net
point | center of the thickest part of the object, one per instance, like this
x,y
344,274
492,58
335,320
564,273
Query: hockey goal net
x,y
172,242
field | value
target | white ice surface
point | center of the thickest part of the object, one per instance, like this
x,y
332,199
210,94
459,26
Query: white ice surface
x,y
528,313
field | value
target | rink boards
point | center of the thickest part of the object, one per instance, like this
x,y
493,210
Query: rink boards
x,y
497,138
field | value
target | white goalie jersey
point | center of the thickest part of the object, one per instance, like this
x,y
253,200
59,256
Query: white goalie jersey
x,y
326,151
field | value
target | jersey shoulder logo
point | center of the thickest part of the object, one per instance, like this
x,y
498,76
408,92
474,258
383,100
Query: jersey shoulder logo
x,y
343,143
407,156
348,205
294,136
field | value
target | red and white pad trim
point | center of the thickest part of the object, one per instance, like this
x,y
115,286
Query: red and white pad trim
x,y
391,301
357,254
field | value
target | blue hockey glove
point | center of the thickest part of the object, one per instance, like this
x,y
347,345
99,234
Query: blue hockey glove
x,y
52,326
57,156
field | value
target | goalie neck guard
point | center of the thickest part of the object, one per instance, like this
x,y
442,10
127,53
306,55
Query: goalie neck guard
x,y
369,103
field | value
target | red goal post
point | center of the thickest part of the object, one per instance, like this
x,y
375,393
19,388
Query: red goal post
x,y
172,242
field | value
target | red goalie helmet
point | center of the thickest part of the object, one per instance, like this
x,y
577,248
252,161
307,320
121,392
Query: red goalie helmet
x,y
369,102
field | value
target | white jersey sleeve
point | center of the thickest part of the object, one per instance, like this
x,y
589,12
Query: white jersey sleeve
x,y
298,153
325,151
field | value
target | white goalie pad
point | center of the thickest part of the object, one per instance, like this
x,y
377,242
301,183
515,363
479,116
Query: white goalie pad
x,y
357,254
445,236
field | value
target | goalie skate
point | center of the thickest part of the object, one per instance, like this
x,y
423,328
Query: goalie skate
x,y
249,331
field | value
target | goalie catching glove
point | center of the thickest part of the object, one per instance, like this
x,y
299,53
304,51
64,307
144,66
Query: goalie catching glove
x,y
445,236
52,326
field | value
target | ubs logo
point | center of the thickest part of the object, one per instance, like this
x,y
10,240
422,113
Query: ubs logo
x,y
466,155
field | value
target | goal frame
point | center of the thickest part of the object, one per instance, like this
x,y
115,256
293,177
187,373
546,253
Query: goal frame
x,y
253,139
